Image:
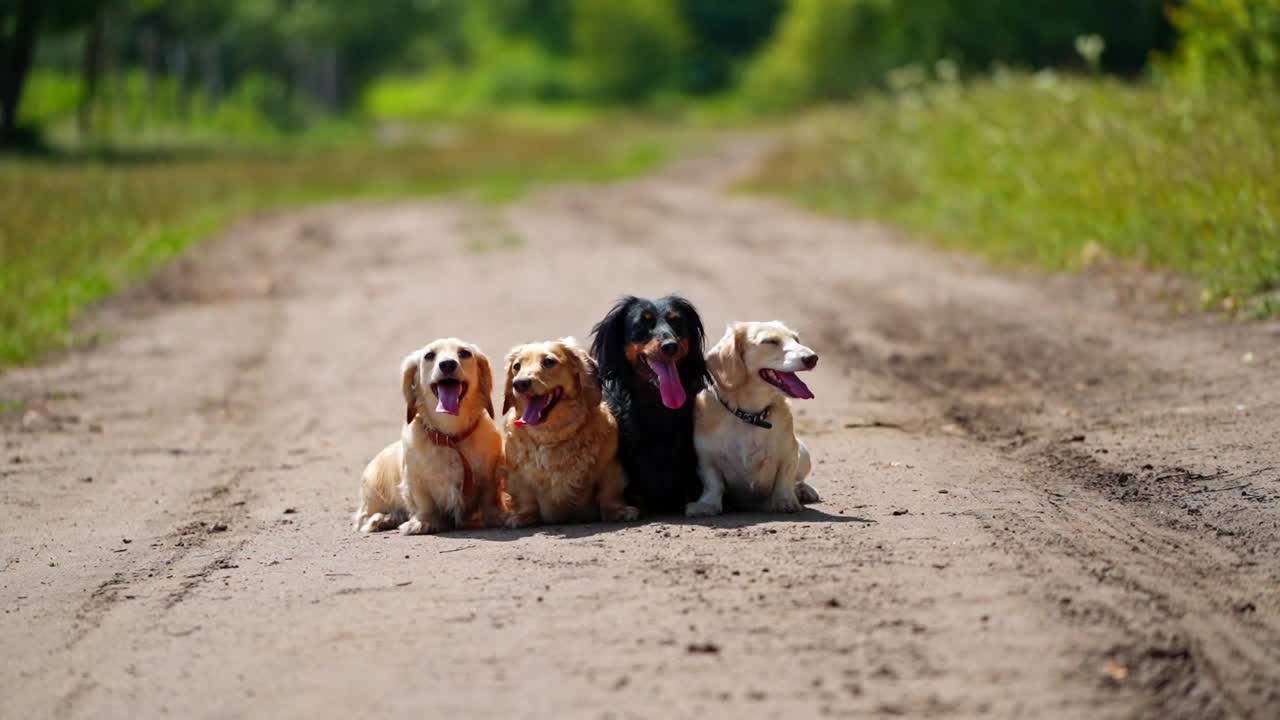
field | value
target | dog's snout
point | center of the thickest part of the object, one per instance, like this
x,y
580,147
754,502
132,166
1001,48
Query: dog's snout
x,y
522,385
670,347
810,361
448,366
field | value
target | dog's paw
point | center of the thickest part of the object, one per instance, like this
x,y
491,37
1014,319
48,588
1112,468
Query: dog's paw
x,y
415,526
515,521
787,503
626,513
701,509
807,494
370,523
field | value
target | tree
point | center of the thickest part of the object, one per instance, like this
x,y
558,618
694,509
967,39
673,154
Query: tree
x,y
628,49
22,24
19,30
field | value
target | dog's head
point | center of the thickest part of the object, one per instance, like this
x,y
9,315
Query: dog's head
x,y
542,377
768,350
658,343
448,378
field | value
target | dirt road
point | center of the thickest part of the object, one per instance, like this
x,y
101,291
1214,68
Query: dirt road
x,y
1040,498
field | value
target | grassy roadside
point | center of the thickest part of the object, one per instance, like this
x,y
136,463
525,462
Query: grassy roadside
x,y
74,230
1057,173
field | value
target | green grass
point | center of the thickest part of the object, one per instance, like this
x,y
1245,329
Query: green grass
x,y
75,230
1057,173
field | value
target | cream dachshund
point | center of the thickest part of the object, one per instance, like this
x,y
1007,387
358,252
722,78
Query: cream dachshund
x,y
744,434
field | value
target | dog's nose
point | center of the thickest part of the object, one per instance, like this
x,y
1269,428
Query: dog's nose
x,y
670,347
521,385
448,366
810,361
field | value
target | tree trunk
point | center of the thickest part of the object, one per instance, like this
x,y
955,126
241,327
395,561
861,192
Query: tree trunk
x,y
16,53
90,71
211,70
149,49
179,69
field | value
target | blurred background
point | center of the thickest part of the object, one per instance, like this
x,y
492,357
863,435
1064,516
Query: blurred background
x,y
1057,133
113,69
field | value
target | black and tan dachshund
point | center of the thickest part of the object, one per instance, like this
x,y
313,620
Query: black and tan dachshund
x,y
651,363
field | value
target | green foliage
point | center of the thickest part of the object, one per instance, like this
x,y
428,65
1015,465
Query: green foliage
x,y
1229,41
628,49
1039,170
820,51
521,52
142,109
301,56
499,54
49,95
833,49
724,35
73,231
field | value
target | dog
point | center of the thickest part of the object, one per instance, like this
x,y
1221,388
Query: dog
x,y
744,434
561,439
650,357
444,471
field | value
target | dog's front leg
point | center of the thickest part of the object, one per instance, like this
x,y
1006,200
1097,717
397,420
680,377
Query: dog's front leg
x,y
711,502
423,521
609,495
494,511
424,516
524,501
783,499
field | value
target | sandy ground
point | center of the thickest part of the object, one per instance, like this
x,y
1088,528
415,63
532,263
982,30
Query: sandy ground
x,y
1042,497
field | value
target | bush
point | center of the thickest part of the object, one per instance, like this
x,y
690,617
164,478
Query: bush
x,y
813,54
832,49
50,95
1237,41
519,74
628,49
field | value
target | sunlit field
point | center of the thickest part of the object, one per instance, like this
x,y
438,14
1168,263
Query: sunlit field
x,y
76,229
1057,172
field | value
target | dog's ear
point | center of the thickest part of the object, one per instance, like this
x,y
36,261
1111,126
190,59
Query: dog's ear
x,y
694,368
725,358
508,395
409,384
588,373
486,378
609,336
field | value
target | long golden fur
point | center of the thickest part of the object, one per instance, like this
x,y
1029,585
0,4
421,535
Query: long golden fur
x,y
420,484
561,440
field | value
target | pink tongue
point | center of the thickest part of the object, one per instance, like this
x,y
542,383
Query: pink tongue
x,y
669,384
533,411
450,396
795,386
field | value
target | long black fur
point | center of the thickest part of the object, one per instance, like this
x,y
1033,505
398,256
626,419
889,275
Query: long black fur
x,y
655,442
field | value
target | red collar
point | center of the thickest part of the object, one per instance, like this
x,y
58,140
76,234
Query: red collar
x,y
444,439
441,439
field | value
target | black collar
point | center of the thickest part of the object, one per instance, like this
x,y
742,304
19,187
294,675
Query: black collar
x,y
759,419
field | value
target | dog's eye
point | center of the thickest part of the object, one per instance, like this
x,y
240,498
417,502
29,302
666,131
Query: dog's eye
x,y
771,341
430,356
516,367
464,354
548,362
